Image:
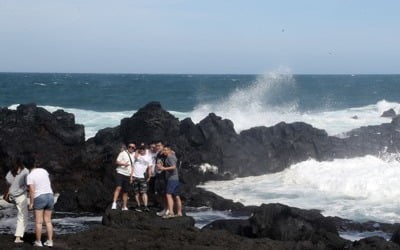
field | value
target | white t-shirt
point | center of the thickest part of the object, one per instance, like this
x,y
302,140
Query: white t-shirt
x,y
124,157
153,162
140,165
39,178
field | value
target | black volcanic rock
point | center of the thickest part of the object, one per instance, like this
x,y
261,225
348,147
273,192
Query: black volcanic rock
x,y
280,222
54,137
372,243
396,235
389,113
233,226
144,220
60,145
148,124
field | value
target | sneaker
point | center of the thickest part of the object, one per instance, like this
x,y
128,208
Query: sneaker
x,y
146,209
163,212
138,209
114,205
18,240
124,209
37,243
48,243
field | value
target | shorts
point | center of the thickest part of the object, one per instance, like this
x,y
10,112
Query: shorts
x,y
139,185
44,201
160,184
173,187
123,182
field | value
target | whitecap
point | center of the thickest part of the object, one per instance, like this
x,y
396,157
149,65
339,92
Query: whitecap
x,y
362,189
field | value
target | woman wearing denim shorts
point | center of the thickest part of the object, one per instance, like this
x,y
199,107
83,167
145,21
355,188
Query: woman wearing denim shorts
x,y
41,200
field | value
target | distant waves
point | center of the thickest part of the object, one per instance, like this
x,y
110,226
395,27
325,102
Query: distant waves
x,y
334,122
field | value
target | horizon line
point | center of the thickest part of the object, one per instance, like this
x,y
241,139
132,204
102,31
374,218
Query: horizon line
x,y
125,73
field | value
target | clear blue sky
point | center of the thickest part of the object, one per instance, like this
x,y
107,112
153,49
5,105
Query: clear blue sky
x,y
200,36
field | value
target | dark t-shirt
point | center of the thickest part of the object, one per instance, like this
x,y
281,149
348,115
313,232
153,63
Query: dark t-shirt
x,y
160,157
171,174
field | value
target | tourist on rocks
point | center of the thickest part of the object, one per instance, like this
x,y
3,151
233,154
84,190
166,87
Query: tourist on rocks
x,y
41,200
160,183
16,178
140,175
152,152
124,163
172,177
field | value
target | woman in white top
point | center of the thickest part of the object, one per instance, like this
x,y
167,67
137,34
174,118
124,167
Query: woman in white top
x,y
16,177
41,200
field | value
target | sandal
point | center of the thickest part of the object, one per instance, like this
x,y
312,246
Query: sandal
x,y
168,216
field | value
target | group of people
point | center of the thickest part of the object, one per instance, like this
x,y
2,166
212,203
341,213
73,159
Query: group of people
x,y
148,169
153,169
26,176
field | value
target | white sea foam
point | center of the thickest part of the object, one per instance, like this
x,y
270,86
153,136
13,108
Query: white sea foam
x,y
206,167
40,84
364,188
205,215
248,107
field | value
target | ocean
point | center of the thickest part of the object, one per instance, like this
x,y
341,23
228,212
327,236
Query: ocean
x,y
361,189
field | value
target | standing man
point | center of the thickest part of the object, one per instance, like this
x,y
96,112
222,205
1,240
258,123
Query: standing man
x,y
124,168
172,177
141,165
160,183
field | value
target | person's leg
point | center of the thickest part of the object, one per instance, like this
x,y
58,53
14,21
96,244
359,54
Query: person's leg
x,y
49,225
178,203
137,198
170,203
38,224
21,203
125,200
116,193
145,199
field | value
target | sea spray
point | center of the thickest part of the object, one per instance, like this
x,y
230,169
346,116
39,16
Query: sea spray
x,y
363,188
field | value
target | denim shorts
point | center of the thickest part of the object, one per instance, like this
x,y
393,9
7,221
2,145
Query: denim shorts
x,y
44,201
173,187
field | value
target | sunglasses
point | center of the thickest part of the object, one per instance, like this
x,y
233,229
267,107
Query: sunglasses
x,y
131,147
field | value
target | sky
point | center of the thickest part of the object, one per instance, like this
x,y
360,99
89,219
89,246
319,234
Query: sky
x,y
200,37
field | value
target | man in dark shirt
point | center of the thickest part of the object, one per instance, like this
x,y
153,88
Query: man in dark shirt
x,y
159,179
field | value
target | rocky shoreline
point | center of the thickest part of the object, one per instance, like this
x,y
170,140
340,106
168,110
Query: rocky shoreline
x,y
82,173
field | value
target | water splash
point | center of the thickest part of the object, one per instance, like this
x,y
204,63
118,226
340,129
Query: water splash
x,y
245,105
361,189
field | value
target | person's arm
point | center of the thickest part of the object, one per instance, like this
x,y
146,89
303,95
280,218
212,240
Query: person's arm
x,y
121,161
171,162
31,195
132,177
9,179
149,172
168,168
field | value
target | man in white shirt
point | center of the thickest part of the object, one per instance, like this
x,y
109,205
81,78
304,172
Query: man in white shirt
x,y
140,167
124,163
